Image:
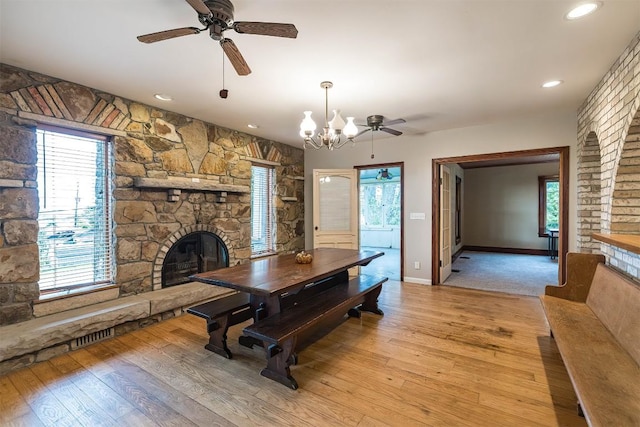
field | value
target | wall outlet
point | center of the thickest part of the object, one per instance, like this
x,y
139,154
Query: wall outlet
x,y
416,265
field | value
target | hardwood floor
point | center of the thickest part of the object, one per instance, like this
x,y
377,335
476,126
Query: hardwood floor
x,y
439,356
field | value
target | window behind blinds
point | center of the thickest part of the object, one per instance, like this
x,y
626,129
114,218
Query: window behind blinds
x,y
262,211
75,237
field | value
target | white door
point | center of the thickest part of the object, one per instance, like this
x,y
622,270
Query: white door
x,y
335,208
445,223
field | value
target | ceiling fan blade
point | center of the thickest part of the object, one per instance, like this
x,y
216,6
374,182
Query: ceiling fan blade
x,y
235,57
168,34
395,122
391,131
266,29
199,6
362,131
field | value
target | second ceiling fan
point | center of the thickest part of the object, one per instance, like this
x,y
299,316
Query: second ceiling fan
x,y
377,122
217,17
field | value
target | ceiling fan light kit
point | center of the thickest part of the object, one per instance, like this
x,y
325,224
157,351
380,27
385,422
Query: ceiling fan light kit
x,y
217,17
384,174
331,136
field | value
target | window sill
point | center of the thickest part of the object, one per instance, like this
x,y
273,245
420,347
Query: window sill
x,y
264,255
58,301
52,295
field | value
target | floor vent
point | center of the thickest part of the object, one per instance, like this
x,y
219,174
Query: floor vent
x,y
92,338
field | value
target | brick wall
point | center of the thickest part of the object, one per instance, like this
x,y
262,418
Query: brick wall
x,y
609,130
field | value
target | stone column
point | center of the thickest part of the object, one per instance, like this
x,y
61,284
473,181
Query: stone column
x,y
19,259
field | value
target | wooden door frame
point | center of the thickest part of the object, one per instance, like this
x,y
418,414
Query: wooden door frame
x,y
382,166
563,178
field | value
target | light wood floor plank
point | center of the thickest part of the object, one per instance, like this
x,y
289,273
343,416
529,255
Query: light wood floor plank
x,y
440,356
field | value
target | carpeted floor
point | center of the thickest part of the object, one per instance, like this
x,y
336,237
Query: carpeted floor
x,y
510,273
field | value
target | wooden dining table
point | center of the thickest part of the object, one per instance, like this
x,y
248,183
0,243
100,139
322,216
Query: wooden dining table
x,y
270,280
293,304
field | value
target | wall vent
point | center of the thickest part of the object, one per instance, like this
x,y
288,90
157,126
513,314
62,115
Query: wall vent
x,y
92,338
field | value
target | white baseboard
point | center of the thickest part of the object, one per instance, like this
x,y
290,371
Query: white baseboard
x,y
417,280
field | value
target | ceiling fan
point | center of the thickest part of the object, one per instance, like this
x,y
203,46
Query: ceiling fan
x,y
376,122
217,17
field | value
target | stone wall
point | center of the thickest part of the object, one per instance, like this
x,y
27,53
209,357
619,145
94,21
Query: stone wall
x,y
147,143
19,264
609,160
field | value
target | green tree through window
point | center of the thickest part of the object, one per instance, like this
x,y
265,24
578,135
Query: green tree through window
x,y
380,204
549,204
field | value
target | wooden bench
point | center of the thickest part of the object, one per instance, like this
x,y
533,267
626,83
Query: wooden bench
x,y
220,314
283,333
599,341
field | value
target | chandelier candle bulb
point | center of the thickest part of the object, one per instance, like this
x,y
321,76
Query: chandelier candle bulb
x,y
337,123
350,130
308,126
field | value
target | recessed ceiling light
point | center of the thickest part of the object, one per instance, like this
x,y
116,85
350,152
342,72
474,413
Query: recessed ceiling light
x,y
252,126
551,83
583,9
163,97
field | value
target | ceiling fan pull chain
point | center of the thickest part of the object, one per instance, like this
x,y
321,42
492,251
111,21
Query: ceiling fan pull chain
x,y
372,155
223,92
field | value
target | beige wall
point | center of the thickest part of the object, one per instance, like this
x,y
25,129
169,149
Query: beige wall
x,y
501,206
554,129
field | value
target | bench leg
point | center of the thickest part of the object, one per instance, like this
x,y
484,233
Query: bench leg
x,y
218,336
354,312
278,365
370,303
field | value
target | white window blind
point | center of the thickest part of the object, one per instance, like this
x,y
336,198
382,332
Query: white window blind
x,y
75,238
262,210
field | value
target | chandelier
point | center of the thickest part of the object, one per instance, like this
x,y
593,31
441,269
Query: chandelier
x,y
332,132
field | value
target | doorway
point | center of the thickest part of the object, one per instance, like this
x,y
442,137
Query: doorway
x,y
499,159
380,217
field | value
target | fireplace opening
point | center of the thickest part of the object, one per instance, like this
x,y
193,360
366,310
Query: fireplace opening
x,y
194,253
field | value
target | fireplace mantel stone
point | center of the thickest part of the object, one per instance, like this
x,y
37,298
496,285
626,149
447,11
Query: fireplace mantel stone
x,y
197,184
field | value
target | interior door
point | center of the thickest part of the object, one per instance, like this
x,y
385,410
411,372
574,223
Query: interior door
x,y
445,223
335,208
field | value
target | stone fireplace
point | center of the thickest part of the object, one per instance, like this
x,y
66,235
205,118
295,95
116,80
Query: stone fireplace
x,y
196,252
189,251
173,176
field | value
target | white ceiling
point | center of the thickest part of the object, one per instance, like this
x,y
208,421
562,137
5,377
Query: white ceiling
x,y
439,64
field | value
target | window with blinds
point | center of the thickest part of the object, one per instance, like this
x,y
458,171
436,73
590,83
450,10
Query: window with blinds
x,y
262,210
75,237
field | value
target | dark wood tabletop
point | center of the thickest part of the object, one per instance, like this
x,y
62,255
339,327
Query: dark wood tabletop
x,y
272,276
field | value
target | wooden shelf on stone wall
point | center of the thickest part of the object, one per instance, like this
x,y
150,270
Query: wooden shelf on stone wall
x,y
175,186
629,242
289,199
